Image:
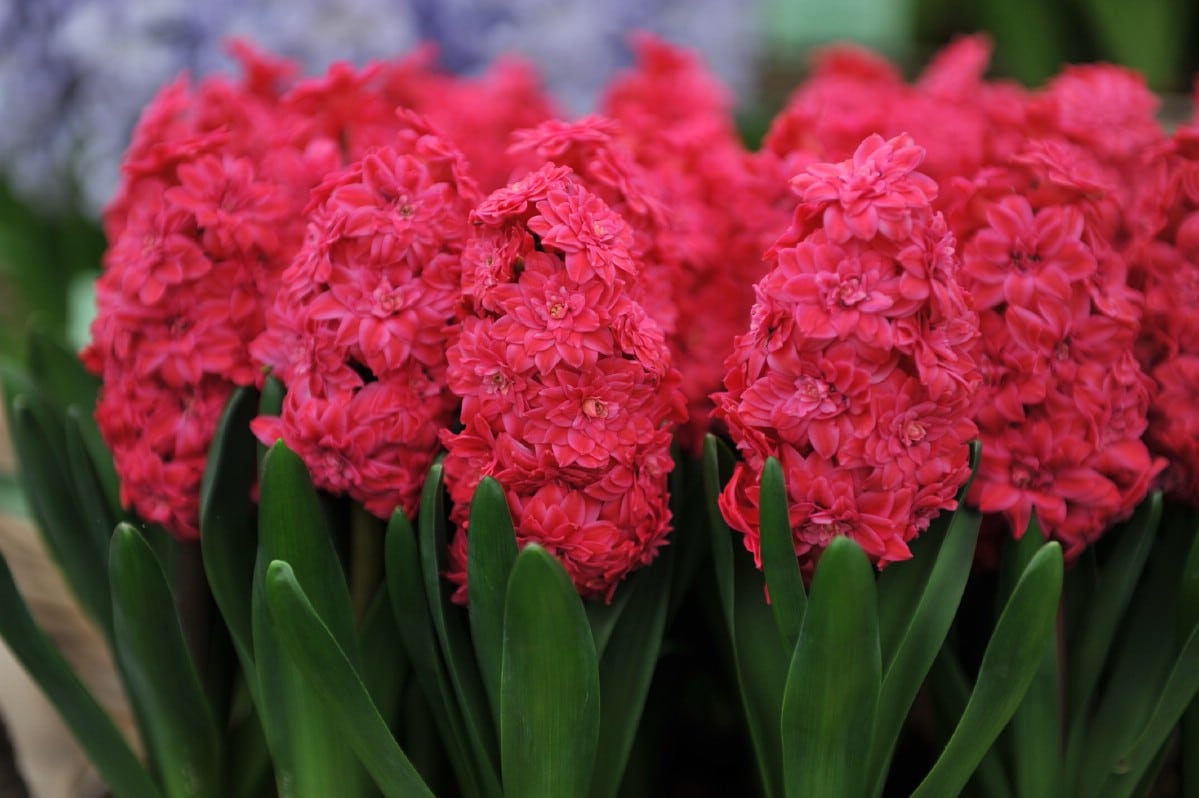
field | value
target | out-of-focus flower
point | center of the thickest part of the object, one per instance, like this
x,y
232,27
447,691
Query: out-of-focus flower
x,y
858,369
209,214
1168,269
75,74
578,45
1063,409
357,330
568,395
726,207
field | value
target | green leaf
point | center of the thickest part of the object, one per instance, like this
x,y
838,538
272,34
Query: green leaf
x,y
59,372
603,618
490,555
385,665
1188,612
89,491
80,422
311,758
832,688
88,722
717,468
549,693
626,668
1121,572
1036,727
41,449
1176,694
759,658
779,563
944,559
159,673
449,624
1137,667
228,533
405,586
950,691
329,673
1009,663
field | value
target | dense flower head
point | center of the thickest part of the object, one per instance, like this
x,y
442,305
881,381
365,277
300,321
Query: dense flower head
x,y
1064,403
725,204
962,121
1167,268
357,331
568,394
208,215
858,370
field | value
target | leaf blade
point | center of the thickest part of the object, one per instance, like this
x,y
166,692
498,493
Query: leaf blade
x,y
549,694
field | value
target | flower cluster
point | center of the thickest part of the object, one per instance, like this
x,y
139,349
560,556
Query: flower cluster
x,y
1168,269
726,204
214,207
858,369
209,214
356,332
1044,191
568,394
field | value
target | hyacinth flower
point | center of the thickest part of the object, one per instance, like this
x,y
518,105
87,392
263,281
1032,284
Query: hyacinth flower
x,y
850,400
1057,199
355,334
1168,346
568,393
726,207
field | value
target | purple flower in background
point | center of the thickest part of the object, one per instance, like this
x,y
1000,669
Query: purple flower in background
x,y
578,44
74,74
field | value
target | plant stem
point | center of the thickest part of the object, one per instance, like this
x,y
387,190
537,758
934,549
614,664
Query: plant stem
x,y
366,558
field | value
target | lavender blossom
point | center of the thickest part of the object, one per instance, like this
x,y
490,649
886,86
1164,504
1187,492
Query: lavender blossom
x,y
74,74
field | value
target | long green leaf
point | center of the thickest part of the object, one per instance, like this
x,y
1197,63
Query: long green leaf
x,y
41,449
162,680
832,688
87,720
950,691
450,625
329,673
1009,664
405,586
923,632
1121,571
549,693
491,553
717,468
228,533
1137,667
1188,612
94,506
385,665
779,564
1036,726
81,423
59,372
759,657
312,759
626,668
1176,694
